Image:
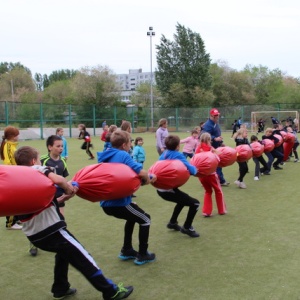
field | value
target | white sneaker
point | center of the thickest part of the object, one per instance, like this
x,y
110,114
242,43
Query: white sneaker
x,y
237,182
15,227
256,178
242,185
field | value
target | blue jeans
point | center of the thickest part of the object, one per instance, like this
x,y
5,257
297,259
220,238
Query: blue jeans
x,y
220,175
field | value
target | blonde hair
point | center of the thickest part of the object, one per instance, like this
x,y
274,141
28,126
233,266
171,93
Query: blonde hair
x,y
269,130
240,132
162,122
112,128
205,138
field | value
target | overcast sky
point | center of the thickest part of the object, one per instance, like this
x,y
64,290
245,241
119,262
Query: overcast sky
x,y
69,34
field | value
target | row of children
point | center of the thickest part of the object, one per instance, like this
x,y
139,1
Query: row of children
x,y
274,158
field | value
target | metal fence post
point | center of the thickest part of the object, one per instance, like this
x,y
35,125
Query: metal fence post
x,y
176,117
94,119
6,113
70,120
41,121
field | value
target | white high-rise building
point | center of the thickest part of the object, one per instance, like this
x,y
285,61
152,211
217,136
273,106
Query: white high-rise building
x,y
129,82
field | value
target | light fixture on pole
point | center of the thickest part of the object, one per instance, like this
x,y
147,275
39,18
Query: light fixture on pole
x,y
151,33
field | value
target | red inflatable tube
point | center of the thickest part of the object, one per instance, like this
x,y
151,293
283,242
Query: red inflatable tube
x,y
257,149
244,153
170,174
280,140
205,162
24,190
290,137
106,181
227,156
287,148
268,145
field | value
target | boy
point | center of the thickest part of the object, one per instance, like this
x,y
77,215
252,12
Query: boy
x,y
124,208
54,159
65,152
47,230
181,199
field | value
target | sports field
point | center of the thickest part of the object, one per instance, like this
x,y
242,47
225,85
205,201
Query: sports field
x,y
250,253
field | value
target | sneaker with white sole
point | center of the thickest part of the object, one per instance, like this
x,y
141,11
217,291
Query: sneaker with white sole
x,y
237,182
15,227
256,178
242,185
225,183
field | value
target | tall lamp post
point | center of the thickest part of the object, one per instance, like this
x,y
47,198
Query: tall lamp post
x,y
151,33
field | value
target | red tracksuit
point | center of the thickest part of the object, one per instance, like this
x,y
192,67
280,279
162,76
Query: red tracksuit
x,y
211,182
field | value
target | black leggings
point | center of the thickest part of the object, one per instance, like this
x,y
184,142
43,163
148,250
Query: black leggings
x,y
243,169
181,199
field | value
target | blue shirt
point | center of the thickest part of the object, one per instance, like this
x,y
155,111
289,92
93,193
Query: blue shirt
x,y
118,156
139,154
214,130
173,154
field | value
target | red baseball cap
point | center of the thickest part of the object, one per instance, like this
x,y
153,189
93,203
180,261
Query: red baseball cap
x,y
214,112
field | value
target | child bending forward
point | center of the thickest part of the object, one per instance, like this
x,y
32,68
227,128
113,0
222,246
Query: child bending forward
x,y
210,182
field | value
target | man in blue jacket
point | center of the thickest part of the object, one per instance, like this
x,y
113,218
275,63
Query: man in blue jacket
x,y
212,127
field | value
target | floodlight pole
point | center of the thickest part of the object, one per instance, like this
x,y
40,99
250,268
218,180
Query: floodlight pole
x,y
151,33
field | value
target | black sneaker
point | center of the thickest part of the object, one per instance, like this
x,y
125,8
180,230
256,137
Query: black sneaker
x,y
69,292
174,226
191,232
277,168
122,292
128,254
145,258
33,250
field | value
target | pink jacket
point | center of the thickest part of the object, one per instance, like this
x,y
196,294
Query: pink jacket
x,y
190,144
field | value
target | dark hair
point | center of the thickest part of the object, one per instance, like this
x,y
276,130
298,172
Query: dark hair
x,y
253,138
82,126
51,139
119,137
162,122
24,155
9,133
172,142
125,125
58,129
194,131
137,139
107,137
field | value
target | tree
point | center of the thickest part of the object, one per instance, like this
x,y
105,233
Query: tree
x,y
6,67
95,85
142,95
183,62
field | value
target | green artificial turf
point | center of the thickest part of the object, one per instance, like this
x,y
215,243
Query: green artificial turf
x,y
250,253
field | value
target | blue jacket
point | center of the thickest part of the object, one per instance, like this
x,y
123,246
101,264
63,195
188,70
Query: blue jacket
x,y
173,154
139,154
118,156
214,130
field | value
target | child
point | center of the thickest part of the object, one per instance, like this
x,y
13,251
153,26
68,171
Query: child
x,y
241,139
8,148
234,127
124,208
47,230
126,126
83,134
104,133
190,144
258,160
65,152
54,159
210,182
296,143
175,195
138,151
107,143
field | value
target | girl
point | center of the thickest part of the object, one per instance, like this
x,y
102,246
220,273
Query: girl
x,y
83,134
190,144
210,182
138,150
7,150
240,138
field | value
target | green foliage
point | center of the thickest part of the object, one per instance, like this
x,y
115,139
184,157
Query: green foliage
x,y
142,95
182,63
6,67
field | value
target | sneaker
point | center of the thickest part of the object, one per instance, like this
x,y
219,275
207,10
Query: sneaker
x,y
296,160
122,292
267,173
128,254
14,227
242,185
256,178
174,226
142,259
33,250
69,292
237,182
277,168
206,215
191,232
91,158
282,163
225,183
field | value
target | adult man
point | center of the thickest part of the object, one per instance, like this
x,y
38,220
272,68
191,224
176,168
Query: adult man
x,y
212,127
